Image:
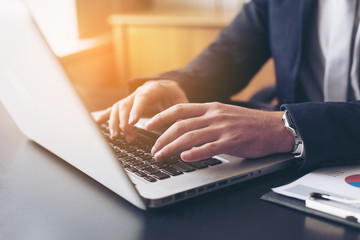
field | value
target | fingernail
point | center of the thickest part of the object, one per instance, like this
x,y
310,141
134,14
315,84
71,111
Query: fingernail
x,y
132,118
153,150
157,156
111,133
186,156
147,125
129,138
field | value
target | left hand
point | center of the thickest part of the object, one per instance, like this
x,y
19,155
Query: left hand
x,y
203,130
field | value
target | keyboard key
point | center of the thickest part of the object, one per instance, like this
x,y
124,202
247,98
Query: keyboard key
x,y
198,164
171,171
117,149
131,169
141,174
132,150
140,154
160,175
181,166
138,159
149,161
149,179
151,171
136,163
127,158
172,160
142,166
211,161
129,161
158,165
121,155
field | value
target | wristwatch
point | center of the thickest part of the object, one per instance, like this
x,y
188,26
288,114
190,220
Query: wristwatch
x,y
298,149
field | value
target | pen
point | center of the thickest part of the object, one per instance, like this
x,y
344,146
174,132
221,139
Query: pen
x,y
327,204
323,196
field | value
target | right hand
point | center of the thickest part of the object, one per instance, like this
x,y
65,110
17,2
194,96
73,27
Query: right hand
x,y
150,98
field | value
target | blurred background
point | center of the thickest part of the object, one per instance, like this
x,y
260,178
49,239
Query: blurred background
x,y
104,43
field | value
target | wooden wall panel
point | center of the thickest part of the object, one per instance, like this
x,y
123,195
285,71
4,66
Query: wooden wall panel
x,y
157,49
146,44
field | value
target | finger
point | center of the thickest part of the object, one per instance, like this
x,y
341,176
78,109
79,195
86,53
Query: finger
x,y
114,121
176,130
141,101
205,151
128,130
179,111
103,116
185,142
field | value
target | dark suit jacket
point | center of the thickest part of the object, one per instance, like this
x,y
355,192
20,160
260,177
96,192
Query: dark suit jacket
x,y
277,29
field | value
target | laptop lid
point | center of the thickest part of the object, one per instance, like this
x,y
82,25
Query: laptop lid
x,y
30,75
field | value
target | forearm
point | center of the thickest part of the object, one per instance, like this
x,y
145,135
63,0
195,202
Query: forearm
x,y
228,64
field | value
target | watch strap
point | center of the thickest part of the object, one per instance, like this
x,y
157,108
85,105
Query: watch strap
x,y
298,149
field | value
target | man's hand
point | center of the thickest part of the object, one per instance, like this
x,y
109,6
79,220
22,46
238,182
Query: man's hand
x,y
203,130
152,97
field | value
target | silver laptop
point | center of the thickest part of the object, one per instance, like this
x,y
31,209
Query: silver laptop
x,y
42,101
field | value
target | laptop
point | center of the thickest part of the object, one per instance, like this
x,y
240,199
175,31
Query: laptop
x,y
40,98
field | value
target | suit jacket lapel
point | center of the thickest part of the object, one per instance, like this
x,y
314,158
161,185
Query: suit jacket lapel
x,y
288,28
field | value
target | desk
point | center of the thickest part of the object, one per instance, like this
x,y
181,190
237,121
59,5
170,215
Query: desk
x,y
42,197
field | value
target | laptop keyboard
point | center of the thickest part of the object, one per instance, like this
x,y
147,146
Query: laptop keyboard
x,y
136,157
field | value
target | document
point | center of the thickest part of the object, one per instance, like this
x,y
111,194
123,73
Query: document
x,y
340,181
333,190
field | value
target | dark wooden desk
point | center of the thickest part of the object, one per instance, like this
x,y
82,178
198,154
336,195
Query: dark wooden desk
x,y
42,197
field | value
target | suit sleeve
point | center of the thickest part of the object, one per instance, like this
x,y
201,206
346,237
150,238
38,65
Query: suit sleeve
x,y
227,65
330,132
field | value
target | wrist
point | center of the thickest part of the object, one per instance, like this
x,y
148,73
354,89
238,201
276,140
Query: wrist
x,y
284,141
298,148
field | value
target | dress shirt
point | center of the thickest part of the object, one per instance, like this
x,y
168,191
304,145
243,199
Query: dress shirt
x,y
331,48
